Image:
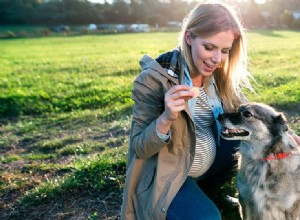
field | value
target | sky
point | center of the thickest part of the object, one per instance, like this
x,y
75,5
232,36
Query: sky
x,y
260,1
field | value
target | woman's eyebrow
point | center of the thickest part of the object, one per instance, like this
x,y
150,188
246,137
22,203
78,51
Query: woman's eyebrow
x,y
215,46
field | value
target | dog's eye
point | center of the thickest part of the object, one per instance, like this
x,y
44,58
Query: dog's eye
x,y
247,114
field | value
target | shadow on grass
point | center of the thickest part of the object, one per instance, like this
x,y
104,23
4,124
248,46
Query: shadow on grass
x,y
270,33
15,106
57,121
95,189
290,109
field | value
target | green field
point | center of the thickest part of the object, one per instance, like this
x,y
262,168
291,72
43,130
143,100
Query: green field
x,y
65,112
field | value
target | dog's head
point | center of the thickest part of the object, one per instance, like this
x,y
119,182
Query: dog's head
x,y
254,122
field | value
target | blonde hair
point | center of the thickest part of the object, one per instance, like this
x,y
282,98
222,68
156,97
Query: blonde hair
x,y
205,20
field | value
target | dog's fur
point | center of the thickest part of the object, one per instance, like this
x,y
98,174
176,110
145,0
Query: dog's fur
x,y
269,189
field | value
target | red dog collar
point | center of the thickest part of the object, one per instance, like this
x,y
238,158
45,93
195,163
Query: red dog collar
x,y
277,156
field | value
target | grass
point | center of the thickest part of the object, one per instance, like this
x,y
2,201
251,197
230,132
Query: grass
x,y
54,76
65,116
275,65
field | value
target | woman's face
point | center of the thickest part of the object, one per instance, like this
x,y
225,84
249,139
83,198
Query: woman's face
x,y
209,53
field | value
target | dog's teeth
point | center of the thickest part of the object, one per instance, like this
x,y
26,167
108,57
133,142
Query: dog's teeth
x,y
230,133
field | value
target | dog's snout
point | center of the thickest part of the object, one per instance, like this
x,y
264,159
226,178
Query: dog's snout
x,y
220,117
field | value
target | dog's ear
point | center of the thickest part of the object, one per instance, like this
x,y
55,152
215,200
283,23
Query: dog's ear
x,y
280,122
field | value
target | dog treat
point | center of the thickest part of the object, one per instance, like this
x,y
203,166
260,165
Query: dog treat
x,y
195,90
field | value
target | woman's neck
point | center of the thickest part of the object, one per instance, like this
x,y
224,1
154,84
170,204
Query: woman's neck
x,y
198,80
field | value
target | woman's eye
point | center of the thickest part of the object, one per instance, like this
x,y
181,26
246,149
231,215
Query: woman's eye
x,y
207,47
226,51
247,114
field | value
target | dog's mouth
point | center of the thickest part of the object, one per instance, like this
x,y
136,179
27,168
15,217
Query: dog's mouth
x,y
231,133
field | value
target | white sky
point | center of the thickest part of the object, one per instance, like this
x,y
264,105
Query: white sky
x,y
260,1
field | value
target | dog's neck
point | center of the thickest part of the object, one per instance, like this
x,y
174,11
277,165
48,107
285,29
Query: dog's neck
x,y
280,148
277,156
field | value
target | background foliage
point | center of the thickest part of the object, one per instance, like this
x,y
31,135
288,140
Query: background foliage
x,y
153,12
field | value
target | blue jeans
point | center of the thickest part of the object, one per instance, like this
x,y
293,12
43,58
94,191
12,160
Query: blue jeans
x,y
191,203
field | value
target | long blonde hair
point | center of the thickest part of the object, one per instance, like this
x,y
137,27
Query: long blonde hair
x,y
205,20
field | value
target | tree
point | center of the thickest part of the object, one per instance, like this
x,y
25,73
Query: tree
x,y
287,18
252,17
130,11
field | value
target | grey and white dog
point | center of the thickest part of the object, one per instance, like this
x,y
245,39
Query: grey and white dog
x,y
268,177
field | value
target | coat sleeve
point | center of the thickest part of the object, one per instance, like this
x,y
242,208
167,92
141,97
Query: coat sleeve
x,y
148,96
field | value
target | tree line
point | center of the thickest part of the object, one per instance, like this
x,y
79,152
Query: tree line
x,y
153,12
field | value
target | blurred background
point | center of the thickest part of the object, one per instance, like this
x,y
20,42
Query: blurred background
x,y
45,17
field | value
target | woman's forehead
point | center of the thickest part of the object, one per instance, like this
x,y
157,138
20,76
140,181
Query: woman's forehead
x,y
222,39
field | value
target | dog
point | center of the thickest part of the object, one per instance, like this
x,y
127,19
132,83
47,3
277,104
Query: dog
x,y
268,177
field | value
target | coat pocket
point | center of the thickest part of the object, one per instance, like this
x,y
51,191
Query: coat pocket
x,y
143,198
145,182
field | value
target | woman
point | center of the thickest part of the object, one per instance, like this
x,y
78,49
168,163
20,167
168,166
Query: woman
x,y
174,143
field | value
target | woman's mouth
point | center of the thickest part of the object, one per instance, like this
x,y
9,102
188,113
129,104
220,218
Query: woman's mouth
x,y
208,67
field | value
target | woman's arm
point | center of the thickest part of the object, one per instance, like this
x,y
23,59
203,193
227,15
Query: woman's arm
x,y
154,111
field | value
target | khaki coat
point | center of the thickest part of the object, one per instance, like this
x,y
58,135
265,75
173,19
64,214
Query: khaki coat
x,y
155,169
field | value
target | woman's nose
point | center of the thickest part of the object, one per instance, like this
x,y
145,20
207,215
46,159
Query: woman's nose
x,y
217,57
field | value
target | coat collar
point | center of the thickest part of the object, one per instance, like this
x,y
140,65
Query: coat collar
x,y
148,62
171,65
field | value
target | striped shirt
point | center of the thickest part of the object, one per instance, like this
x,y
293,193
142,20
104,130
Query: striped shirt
x,y
205,151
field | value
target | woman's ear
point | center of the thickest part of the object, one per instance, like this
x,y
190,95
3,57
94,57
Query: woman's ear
x,y
188,37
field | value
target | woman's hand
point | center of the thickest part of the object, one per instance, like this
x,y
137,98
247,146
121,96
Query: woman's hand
x,y
297,139
174,103
294,136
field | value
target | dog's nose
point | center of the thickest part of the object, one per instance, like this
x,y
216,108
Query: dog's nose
x,y
220,117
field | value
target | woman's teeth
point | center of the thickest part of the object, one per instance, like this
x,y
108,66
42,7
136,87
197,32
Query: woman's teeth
x,y
210,66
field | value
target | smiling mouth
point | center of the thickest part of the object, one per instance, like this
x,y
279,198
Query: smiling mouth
x,y
230,133
210,66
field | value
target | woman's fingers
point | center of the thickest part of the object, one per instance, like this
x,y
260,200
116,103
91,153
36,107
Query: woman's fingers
x,y
294,136
175,106
297,139
175,101
179,92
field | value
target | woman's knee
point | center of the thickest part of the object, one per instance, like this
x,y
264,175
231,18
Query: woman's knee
x,y
208,214
191,203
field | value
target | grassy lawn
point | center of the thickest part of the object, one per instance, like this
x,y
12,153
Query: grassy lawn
x,y
65,112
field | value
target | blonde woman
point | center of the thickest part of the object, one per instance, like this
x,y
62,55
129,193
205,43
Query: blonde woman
x,y
175,145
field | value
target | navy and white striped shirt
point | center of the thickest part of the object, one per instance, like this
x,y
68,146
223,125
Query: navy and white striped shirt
x,y
205,151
